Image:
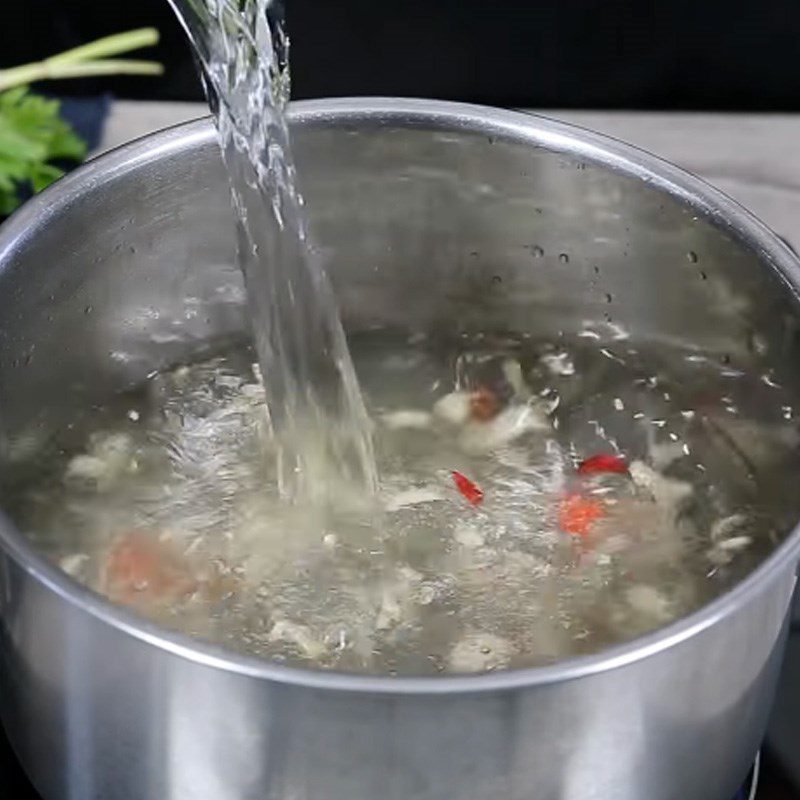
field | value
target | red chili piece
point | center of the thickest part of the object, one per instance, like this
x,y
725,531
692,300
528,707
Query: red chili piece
x,y
142,571
469,489
483,404
577,514
602,463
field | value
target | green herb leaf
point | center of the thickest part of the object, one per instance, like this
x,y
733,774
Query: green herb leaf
x,y
43,175
32,135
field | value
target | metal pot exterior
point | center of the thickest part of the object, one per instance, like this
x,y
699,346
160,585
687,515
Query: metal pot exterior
x,y
418,207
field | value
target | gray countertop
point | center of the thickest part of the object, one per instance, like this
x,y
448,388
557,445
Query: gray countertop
x,y
754,158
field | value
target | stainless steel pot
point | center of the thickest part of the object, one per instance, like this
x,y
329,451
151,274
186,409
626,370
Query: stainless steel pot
x,y
429,214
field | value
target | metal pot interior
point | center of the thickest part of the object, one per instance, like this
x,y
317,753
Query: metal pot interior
x,y
430,217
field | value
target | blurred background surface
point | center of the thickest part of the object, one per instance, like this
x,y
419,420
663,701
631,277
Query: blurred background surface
x,y
624,54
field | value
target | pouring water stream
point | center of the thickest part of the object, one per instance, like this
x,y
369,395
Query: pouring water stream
x,y
315,405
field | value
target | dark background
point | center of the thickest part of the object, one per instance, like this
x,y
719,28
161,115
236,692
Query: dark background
x,y
642,54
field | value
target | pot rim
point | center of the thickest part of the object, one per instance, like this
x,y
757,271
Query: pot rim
x,y
542,132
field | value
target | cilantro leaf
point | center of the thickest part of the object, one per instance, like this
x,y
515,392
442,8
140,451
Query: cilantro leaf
x,y
32,136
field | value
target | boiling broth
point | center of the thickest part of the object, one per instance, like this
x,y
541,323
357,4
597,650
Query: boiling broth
x,y
166,499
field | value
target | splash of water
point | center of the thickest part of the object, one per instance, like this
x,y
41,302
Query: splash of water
x,y
313,396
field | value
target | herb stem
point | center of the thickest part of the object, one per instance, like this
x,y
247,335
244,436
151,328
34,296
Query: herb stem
x,y
88,60
108,46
